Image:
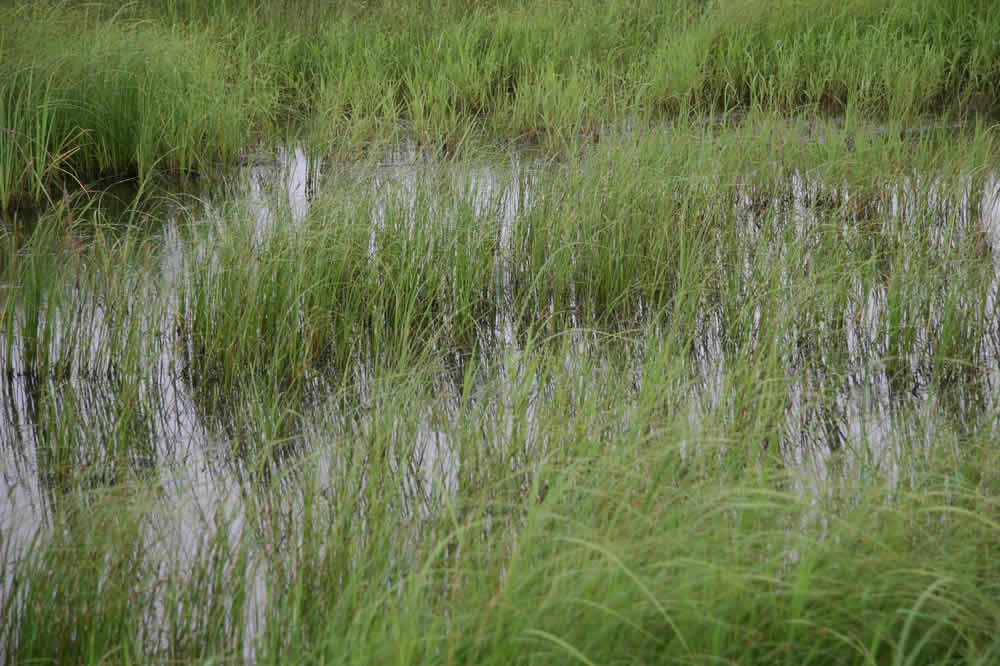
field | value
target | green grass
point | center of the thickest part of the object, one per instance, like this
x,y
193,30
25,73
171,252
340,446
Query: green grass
x,y
569,536
95,89
677,456
640,231
673,339
88,96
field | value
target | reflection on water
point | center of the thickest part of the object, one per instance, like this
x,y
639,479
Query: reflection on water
x,y
207,468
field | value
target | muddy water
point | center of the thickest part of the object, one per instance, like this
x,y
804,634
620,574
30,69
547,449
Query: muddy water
x,y
203,482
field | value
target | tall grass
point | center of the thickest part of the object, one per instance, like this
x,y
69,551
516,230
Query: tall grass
x,y
177,85
883,59
31,155
721,389
571,534
714,234
363,277
88,96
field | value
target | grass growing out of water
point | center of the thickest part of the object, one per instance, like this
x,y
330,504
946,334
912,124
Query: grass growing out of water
x,y
680,392
573,531
364,277
715,393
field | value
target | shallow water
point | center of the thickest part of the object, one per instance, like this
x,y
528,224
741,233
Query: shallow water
x,y
194,455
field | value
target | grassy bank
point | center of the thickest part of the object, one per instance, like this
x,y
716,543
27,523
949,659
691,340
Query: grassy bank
x,y
96,89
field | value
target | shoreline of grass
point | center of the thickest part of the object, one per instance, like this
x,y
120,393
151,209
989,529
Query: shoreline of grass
x,y
96,88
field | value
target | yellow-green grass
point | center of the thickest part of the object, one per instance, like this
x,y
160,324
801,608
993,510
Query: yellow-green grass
x,y
94,88
708,376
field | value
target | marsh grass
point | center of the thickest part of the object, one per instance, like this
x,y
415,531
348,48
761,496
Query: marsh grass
x,y
180,87
90,96
31,155
733,238
575,543
362,278
65,312
717,389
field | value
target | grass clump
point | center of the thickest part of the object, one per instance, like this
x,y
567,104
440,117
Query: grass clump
x,y
89,96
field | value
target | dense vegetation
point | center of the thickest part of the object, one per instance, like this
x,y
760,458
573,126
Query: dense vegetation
x,y
612,332
99,89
